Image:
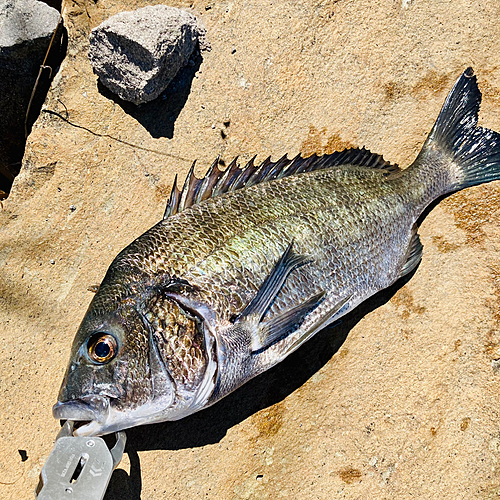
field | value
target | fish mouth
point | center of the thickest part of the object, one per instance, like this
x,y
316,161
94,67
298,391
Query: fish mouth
x,y
88,409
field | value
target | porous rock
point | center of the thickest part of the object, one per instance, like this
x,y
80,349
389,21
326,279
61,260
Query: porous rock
x,y
137,54
26,27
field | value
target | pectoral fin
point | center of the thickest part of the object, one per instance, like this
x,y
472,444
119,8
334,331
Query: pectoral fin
x,y
264,334
319,318
258,306
271,331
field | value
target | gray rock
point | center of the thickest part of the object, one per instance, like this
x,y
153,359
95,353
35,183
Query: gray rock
x,y
22,20
26,27
137,54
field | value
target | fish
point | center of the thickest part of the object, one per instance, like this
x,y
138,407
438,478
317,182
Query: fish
x,y
249,263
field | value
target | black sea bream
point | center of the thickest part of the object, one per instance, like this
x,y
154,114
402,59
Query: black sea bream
x,y
248,264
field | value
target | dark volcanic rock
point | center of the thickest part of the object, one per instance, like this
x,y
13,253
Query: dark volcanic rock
x,y
137,54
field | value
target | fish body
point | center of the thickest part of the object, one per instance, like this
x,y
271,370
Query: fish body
x,y
250,263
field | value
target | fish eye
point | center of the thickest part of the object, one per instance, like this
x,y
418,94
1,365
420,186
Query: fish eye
x,y
102,347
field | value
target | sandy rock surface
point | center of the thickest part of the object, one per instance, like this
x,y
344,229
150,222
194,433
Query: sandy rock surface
x,y
401,399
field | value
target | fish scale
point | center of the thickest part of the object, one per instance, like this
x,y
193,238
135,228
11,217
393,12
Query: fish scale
x,y
322,247
249,263
180,344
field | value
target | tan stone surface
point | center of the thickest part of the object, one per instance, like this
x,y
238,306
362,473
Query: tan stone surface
x,y
407,405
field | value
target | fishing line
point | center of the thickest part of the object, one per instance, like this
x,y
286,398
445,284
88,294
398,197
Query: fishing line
x,y
107,136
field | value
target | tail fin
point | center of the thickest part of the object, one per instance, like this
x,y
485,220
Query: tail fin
x,y
474,151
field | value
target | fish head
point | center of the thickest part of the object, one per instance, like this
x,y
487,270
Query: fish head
x,y
114,378
134,362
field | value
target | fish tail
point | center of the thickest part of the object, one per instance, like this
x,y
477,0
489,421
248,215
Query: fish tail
x,y
460,153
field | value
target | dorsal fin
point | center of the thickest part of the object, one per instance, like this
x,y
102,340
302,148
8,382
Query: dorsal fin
x,y
217,181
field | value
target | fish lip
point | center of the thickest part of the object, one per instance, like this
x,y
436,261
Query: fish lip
x,y
87,408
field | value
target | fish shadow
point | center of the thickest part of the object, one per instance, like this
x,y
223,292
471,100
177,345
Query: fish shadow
x,y
209,426
123,485
158,117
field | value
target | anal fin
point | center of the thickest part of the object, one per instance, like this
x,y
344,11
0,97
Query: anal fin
x,y
413,255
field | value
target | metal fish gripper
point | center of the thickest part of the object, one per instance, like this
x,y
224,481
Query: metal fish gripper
x,y
79,468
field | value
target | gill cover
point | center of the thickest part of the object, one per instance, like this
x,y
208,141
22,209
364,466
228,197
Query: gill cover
x,y
183,335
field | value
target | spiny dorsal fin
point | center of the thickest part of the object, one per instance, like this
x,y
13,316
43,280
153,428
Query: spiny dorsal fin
x,y
173,202
217,182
